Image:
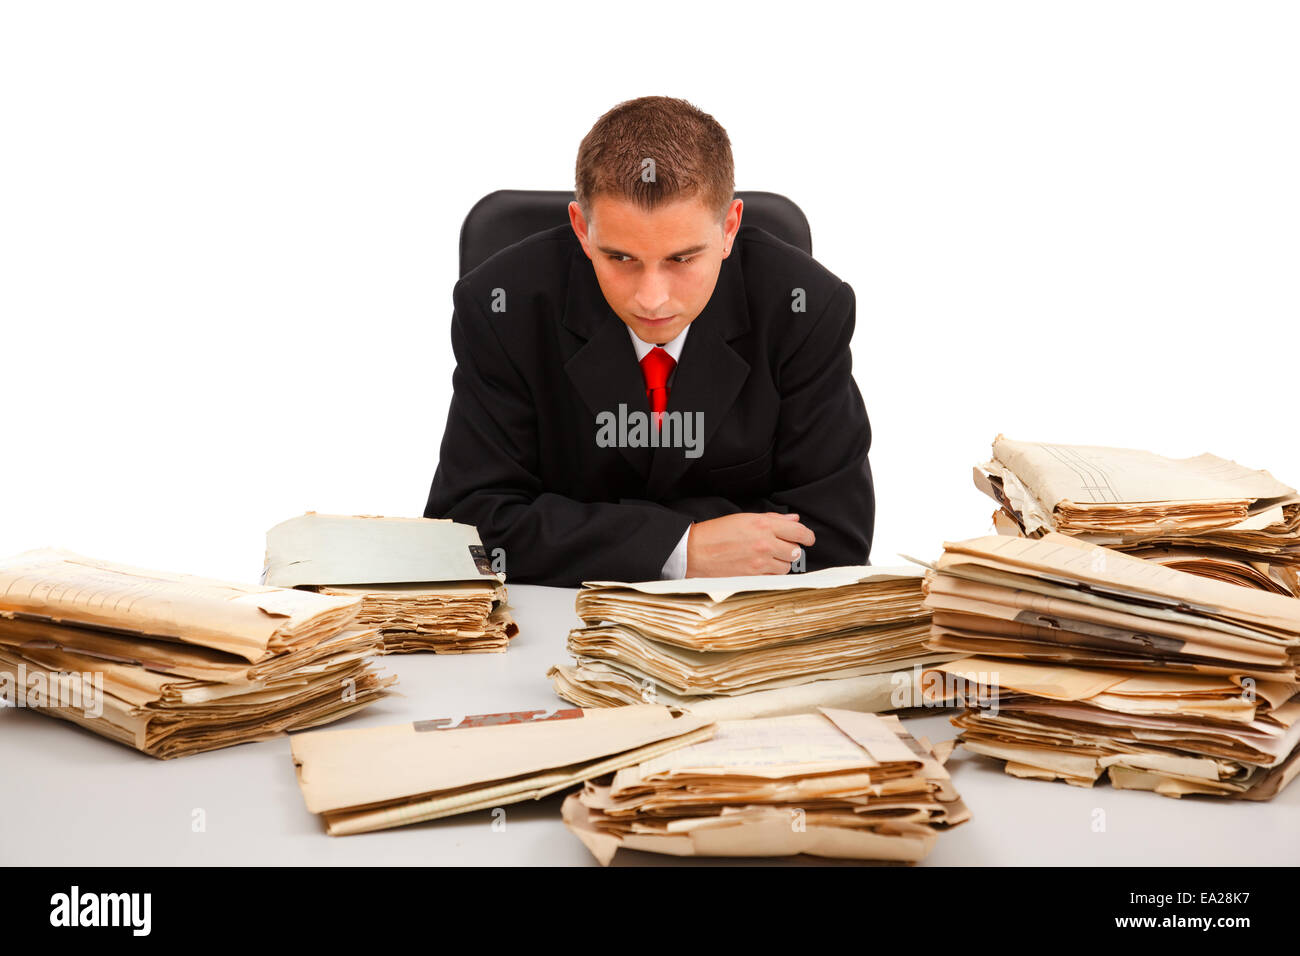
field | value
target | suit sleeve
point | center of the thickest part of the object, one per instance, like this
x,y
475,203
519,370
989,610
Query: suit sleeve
x,y
488,476
823,438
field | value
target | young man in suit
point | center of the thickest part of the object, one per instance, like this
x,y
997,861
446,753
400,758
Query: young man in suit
x,y
655,390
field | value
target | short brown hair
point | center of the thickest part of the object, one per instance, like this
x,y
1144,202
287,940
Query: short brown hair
x,y
690,151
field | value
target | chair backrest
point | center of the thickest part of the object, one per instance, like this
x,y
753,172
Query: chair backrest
x,y
504,217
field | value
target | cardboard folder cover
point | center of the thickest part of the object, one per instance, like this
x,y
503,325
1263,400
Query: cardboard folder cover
x,y
320,549
374,778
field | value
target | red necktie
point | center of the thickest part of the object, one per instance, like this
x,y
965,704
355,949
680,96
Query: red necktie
x,y
656,367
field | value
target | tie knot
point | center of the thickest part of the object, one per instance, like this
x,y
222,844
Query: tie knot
x,y
656,367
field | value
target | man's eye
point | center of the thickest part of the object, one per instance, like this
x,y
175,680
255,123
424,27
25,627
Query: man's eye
x,y
618,258
682,260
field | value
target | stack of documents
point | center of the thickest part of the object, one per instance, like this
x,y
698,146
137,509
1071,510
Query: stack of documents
x,y
1205,515
426,584
459,617
381,777
836,783
173,664
683,642
1088,661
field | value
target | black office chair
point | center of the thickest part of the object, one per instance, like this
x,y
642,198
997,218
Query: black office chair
x,y
504,217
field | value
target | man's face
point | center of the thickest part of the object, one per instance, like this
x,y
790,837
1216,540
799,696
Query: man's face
x,y
657,268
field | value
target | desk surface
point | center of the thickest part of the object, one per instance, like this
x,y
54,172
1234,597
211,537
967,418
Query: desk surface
x,y
73,798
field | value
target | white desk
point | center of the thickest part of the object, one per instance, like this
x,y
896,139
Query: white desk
x,y
73,798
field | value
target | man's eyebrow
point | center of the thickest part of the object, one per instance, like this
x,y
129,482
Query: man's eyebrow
x,y
675,255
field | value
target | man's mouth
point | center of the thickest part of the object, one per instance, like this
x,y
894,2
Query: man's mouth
x,y
653,321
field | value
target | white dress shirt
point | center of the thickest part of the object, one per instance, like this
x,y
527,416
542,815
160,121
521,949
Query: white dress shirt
x,y
673,348
675,567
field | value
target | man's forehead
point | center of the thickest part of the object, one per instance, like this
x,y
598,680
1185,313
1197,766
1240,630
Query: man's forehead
x,y
673,228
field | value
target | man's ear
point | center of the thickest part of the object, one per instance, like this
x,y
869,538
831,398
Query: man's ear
x,y
579,223
731,225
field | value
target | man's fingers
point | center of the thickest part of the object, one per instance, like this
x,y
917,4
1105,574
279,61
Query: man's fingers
x,y
774,566
794,532
785,551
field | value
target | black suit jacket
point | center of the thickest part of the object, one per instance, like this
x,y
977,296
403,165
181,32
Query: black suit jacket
x,y
785,428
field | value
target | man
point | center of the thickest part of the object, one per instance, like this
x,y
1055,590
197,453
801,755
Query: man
x,y
654,390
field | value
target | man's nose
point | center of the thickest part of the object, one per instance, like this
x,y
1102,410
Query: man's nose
x,y
652,293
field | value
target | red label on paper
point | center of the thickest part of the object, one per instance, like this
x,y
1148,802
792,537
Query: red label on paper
x,y
491,720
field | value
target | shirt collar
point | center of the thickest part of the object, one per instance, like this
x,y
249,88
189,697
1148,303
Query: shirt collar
x,y
673,348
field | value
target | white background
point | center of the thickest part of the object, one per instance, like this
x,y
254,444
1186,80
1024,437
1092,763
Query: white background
x,y
228,236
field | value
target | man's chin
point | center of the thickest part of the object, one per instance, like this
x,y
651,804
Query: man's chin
x,y
657,333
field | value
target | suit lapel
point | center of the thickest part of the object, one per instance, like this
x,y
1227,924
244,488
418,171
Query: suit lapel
x,y
604,370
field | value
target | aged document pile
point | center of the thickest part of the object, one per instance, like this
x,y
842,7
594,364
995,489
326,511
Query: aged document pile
x,y
835,637
834,783
1206,515
174,664
1086,661
426,584
380,777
